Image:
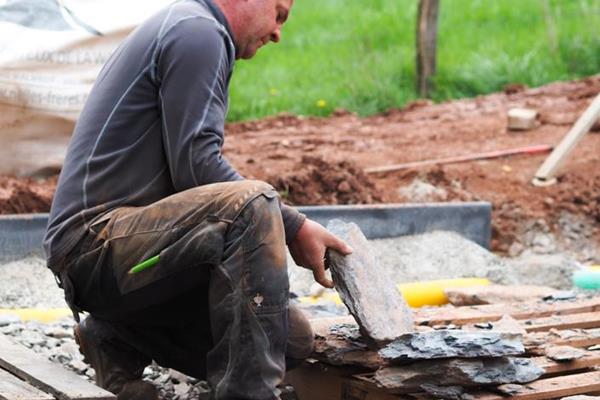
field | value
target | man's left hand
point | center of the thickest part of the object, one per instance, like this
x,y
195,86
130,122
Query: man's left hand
x,y
309,246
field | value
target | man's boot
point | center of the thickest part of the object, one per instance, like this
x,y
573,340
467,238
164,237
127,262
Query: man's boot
x,y
118,366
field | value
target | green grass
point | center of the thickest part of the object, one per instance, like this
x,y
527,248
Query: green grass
x,y
359,55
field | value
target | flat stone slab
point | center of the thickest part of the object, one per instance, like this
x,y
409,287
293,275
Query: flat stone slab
x,y
366,289
458,372
564,353
451,343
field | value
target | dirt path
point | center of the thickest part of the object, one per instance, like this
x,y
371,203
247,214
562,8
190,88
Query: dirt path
x,y
320,161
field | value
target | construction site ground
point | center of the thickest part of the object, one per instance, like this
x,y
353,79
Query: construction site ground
x,y
322,161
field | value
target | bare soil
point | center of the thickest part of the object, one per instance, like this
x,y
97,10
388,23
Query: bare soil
x,y
321,160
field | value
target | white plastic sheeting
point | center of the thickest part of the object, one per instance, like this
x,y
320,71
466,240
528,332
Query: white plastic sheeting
x,y
50,53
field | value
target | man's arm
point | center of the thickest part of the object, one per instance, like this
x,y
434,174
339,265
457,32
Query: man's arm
x,y
194,65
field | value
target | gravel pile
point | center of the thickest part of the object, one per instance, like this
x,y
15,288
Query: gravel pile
x,y
436,255
27,283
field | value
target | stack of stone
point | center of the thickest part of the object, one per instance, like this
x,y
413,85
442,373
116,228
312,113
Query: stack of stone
x,y
441,362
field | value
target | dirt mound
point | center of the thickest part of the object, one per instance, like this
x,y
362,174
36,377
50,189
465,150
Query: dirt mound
x,y
321,182
18,196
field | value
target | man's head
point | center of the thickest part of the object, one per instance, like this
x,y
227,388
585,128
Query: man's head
x,y
255,22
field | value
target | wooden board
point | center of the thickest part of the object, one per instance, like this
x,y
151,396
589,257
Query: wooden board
x,y
13,388
583,321
534,341
47,376
492,312
590,359
552,388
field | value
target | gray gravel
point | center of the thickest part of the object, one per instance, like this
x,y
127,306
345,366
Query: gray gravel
x,y
27,283
435,255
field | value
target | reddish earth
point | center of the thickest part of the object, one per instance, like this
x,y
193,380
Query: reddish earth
x,y
321,160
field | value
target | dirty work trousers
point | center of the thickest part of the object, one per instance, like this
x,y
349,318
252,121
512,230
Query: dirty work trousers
x,y
215,306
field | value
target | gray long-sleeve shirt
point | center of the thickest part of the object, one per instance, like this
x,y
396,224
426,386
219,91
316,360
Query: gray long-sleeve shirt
x,y
153,123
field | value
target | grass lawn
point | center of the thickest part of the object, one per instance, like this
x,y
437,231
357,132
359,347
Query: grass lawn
x,y
360,55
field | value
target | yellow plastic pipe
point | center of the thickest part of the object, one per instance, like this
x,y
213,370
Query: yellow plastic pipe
x,y
416,294
38,314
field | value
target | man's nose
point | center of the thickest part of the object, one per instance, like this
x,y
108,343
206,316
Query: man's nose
x,y
276,35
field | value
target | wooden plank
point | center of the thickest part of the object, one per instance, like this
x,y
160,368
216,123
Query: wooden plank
x,y
353,389
545,174
493,312
496,294
552,388
13,388
552,367
46,375
535,341
583,321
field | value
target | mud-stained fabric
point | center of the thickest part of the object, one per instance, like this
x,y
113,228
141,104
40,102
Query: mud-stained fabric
x,y
215,306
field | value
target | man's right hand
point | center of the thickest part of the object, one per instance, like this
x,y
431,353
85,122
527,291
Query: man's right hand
x,y
309,246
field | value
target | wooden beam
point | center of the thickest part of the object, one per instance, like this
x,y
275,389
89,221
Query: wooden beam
x,y
493,312
46,375
552,388
527,150
13,388
590,359
582,321
545,175
427,21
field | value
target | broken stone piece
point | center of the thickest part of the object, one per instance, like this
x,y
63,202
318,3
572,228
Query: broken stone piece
x,y
521,119
452,343
366,289
446,392
511,389
458,372
564,353
509,324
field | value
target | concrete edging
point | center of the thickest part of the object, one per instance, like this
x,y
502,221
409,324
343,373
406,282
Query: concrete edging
x,y
22,234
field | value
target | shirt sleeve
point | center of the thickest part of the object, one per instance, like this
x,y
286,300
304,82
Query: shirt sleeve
x,y
193,69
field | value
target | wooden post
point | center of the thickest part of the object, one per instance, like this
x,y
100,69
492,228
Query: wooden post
x,y
427,21
545,175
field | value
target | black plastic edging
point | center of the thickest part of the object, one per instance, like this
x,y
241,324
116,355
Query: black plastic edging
x,y
22,234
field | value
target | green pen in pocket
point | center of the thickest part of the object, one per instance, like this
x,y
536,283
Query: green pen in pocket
x,y
149,263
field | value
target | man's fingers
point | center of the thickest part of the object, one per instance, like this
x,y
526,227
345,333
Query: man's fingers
x,y
339,245
321,278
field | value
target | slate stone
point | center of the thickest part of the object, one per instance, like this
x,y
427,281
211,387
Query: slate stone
x,y
367,290
458,372
451,343
564,353
446,392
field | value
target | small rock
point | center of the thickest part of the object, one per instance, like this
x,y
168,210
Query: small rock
x,y
58,332
444,392
79,366
521,119
564,353
510,389
561,296
181,389
510,325
8,319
